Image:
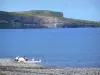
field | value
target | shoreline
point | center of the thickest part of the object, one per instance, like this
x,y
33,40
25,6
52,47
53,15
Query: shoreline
x,y
12,68
15,70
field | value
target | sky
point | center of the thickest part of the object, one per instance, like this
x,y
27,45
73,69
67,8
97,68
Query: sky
x,y
77,9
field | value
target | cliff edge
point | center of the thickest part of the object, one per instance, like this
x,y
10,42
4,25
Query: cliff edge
x,y
41,19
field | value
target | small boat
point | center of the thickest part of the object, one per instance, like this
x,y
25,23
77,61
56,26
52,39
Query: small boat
x,y
34,62
23,59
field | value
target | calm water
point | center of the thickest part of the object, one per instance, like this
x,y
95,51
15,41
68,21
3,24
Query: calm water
x,y
79,47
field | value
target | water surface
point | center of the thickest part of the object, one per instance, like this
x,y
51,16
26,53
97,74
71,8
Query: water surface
x,y
71,47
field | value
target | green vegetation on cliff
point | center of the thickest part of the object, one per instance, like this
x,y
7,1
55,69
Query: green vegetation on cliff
x,y
46,13
42,13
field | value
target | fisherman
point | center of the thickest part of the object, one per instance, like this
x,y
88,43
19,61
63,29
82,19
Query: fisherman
x,y
33,59
26,59
16,59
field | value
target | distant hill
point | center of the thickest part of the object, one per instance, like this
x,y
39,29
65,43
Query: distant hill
x,y
41,19
42,13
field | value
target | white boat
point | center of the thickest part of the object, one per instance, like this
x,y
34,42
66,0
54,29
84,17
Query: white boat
x,y
34,62
22,59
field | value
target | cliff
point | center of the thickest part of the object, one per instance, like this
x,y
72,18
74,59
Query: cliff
x,y
41,19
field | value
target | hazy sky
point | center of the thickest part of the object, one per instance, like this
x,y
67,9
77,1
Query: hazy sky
x,y
78,9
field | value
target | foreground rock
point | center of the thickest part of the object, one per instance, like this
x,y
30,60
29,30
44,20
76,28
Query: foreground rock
x,y
12,68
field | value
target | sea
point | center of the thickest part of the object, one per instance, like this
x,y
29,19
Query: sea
x,y
66,47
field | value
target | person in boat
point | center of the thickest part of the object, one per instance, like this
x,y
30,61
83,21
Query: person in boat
x,y
21,58
26,59
16,59
33,59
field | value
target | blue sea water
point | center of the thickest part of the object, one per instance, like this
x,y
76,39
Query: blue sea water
x,y
69,47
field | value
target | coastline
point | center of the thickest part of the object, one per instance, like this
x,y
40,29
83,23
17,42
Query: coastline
x,y
12,68
15,70
36,19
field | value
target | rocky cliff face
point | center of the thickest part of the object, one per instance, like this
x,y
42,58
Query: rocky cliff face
x,y
35,19
25,21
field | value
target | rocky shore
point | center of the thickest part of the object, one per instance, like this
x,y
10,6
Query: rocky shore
x,y
11,68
